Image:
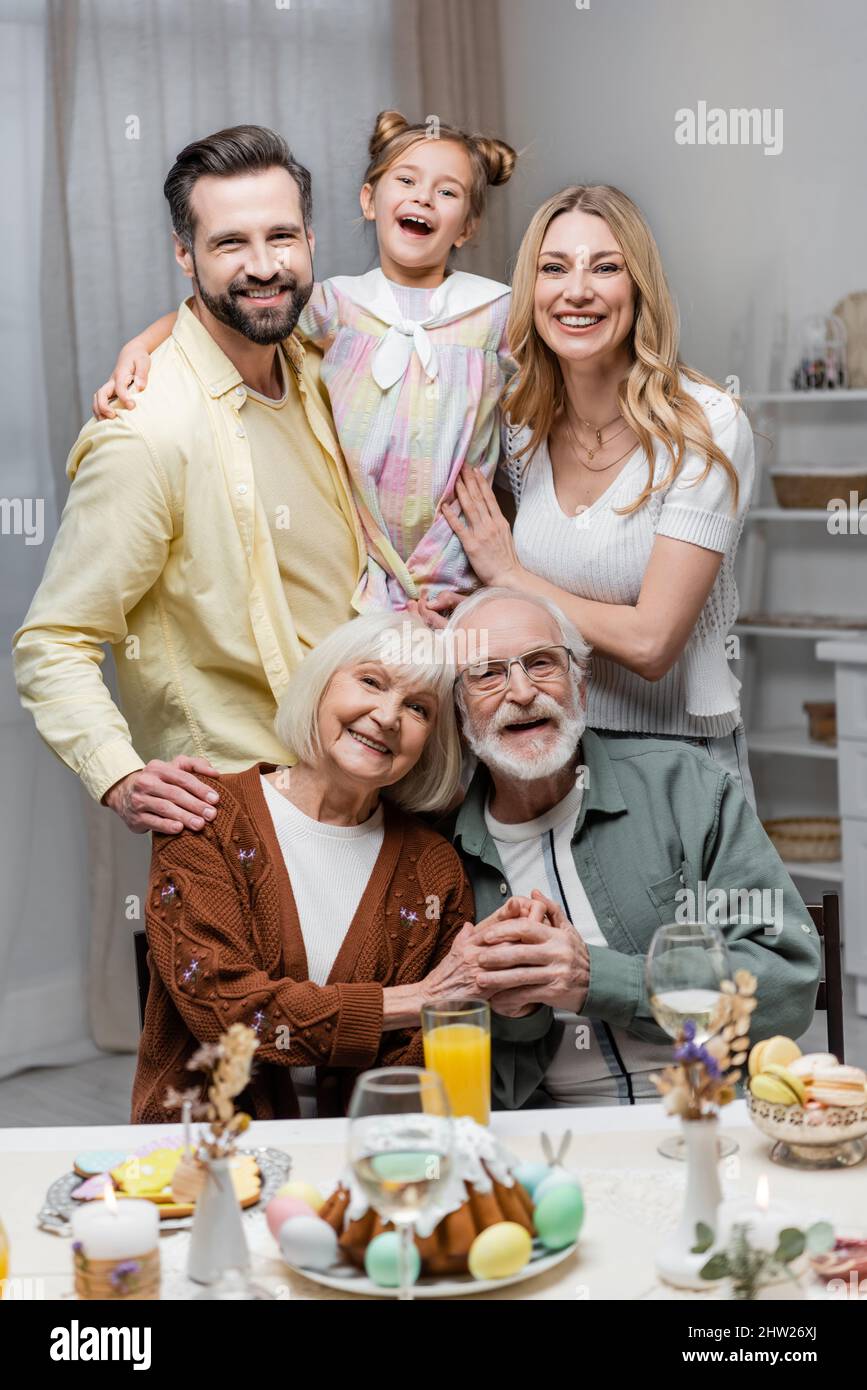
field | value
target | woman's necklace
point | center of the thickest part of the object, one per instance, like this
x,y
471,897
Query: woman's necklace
x,y
603,468
597,429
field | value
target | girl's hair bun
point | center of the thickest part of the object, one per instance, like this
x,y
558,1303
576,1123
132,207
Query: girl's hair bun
x,y
387,125
498,158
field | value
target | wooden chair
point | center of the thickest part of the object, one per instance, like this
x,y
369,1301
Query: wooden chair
x,y
826,919
142,973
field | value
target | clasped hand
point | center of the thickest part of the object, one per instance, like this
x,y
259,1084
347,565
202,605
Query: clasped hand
x,y
525,954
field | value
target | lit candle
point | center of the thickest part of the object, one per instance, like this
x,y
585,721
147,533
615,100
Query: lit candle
x,y
766,1219
113,1230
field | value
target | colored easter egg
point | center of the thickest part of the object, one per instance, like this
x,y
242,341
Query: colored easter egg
x,y
303,1190
500,1250
558,1216
558,1177
281,1209
309,1242
382,1261
529,1175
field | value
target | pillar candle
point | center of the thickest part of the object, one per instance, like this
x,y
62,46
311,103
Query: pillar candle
x,y
116,1230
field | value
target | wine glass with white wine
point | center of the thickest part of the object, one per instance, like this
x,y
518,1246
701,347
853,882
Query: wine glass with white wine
x,y
400,1147
685,967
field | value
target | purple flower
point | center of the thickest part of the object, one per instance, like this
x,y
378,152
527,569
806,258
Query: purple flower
x,y
691,1053
689,1030
77,1246
191,971
123,1271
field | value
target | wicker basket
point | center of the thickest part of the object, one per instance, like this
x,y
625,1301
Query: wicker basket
x,y
800,838
812,487
822,715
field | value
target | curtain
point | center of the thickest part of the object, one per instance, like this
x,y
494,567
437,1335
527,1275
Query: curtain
x,y
44,908
126,84
448,65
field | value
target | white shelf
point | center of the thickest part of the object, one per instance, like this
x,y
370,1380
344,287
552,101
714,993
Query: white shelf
x,y
831,870
802,397
840,634
790,742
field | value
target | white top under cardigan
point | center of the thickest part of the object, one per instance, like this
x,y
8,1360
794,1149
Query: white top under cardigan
x,y
329,867
604,556
595,1063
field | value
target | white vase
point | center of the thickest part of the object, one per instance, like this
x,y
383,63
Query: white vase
x,y
217,1241
675,1262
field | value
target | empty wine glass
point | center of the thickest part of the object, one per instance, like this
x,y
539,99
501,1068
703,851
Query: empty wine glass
x,y
685,967
400,1145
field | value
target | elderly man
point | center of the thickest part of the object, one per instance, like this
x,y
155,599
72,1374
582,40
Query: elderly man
x,y
618,837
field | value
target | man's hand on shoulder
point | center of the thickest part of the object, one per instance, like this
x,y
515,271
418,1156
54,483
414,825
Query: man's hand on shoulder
x,y
166,797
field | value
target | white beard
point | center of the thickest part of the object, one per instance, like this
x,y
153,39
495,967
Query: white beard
x,y
541,756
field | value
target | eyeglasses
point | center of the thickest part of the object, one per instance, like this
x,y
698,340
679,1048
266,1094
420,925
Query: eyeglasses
x,y
540,666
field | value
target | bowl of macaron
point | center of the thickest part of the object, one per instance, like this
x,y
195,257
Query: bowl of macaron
x,y
813,1106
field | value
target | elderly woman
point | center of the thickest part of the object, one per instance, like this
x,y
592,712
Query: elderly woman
x,y
315,907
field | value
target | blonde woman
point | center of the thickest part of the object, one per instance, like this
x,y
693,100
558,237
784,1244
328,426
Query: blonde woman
x,y
316,907
631,473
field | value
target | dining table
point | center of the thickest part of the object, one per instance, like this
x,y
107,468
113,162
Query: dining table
x,y
633,1198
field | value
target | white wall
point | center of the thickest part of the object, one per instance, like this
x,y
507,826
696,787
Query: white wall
x,y
592,95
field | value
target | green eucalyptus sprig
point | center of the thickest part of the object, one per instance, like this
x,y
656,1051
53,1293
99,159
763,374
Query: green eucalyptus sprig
x,y
749,1269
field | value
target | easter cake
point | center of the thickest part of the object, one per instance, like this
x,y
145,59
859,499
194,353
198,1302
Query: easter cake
x,y
480,1191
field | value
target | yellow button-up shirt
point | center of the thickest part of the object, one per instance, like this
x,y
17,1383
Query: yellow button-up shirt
x,y
163,553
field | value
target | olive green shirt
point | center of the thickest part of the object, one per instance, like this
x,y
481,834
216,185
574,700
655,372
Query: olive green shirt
x,y
657,816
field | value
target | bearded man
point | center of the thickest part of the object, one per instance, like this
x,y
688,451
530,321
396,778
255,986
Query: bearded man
x,y
209,535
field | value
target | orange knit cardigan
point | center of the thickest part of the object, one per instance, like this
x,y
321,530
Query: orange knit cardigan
x,y
225,946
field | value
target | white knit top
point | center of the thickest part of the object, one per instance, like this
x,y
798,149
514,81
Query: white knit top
x,y
603,556
329,867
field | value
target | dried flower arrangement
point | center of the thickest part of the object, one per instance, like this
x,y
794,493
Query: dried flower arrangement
x,y
704,1075
229,1061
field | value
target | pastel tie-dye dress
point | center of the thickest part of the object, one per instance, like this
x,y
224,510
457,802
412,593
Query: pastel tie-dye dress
x,y
414,376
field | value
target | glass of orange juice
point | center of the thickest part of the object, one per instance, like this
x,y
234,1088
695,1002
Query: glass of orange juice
x,y
4,1259
457,1046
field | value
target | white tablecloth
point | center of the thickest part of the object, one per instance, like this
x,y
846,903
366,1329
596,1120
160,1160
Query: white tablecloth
x,y
633,1197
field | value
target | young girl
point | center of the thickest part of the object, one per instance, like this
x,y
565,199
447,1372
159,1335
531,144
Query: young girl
x,y
415,356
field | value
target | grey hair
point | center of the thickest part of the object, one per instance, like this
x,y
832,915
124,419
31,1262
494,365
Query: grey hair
x,y
569,634
392,638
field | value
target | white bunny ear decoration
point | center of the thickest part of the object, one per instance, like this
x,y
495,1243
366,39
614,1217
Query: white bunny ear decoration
x,y
562,1149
